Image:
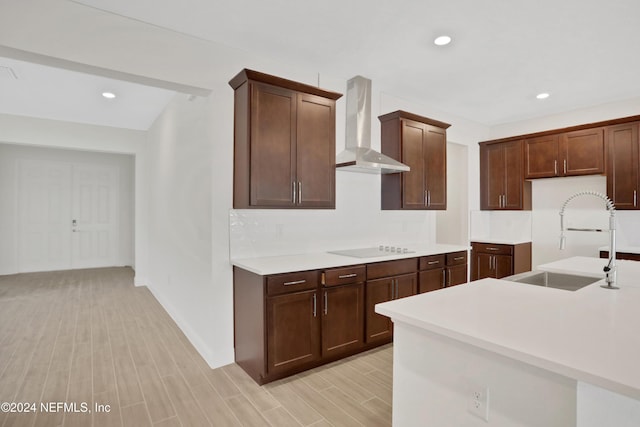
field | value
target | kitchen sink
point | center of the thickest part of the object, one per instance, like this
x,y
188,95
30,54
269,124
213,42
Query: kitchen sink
x,y
569,282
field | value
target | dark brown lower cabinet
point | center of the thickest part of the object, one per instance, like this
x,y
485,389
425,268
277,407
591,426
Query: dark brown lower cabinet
x,y
496,266
432,280
499,260
441,271
293,331
380,328
290,322
457,275
342,319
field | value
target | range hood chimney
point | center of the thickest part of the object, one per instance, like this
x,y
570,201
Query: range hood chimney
x,y
358,155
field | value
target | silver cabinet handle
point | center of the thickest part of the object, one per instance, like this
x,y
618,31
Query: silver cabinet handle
x,y
314,305
346,276
295,282
458,258
433,262
490,248
635,198
299,191
449,276
428,198
293,193
443,278
565,166
326,304
555,167
425,197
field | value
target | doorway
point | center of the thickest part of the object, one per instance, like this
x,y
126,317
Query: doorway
x,y
67,215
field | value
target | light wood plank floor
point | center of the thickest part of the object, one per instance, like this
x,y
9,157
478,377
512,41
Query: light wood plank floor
x,y
91,336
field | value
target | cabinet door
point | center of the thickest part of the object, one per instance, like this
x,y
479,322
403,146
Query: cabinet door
x,y
513,178
435,152
582,152
293,331
406,285
432,280
342,319
273,152
315,151
456,275
541,157
492,176
622,165
378,328
414,194
482,266
502,266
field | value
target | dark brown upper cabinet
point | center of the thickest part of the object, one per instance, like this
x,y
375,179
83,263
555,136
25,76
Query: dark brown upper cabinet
x,y
421,144
579,152
284,143
502,183
623,159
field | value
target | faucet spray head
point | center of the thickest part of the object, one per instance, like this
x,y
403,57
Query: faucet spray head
x,y
563,242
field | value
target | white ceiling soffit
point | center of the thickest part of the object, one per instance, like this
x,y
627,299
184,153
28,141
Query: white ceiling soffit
x,y
503,52
53,93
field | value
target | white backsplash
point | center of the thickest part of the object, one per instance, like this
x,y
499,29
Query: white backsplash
x,y
501,225
256,233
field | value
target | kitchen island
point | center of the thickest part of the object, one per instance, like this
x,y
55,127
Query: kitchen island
x,y
518,354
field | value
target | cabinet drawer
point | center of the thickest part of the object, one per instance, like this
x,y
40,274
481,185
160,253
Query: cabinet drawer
x,y
491,248
291,282
391,268
432,261
345,275
457,258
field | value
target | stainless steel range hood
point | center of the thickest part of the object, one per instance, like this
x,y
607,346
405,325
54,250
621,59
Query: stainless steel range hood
x,y
358,155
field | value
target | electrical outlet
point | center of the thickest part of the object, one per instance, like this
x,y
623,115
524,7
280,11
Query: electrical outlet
x,y
478,403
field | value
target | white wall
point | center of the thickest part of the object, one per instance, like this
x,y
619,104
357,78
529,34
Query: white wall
x,y
180,154
452,225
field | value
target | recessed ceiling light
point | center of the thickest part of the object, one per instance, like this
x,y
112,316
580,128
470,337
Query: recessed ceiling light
x,y
442,40
109,95
543,95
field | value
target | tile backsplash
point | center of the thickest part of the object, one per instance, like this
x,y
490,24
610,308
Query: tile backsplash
x,y
256,233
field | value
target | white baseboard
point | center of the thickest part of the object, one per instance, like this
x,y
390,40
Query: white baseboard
x,y
196,340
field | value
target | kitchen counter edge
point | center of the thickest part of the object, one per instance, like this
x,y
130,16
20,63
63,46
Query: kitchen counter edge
x,y
321,260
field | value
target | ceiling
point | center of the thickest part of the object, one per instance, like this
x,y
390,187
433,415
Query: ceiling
x,y
35,90
582,52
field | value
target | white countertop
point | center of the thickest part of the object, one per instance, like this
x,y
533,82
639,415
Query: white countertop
x,y
312,261
591,335
504,241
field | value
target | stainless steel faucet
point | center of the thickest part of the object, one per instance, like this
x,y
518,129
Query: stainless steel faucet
x,y
610,268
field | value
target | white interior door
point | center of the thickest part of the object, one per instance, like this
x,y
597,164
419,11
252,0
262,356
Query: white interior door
x,y
44,212
68,215
94,240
